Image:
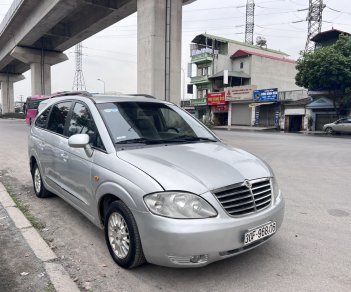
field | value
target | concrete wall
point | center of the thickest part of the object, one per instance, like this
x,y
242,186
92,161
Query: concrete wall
x,y
269,73
246,64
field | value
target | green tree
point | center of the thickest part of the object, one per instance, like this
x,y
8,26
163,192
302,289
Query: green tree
x,y
328,68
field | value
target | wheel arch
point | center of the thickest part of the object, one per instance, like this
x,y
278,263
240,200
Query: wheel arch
x,y
109,192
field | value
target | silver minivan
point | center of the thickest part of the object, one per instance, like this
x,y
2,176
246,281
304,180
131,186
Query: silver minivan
x,y
164,188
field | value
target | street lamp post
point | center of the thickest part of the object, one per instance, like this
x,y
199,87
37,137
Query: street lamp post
x,y
103,83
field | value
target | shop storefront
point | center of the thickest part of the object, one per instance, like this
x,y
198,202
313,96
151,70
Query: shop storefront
x,y
201,108
267,107
322,112
239,98
219,108
295,118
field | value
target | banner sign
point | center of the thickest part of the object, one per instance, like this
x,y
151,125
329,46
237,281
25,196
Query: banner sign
x,y
198,101
265,95
216,98
220,108
239,92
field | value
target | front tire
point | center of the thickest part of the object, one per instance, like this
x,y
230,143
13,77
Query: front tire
x,y
329,131
122,236
39,188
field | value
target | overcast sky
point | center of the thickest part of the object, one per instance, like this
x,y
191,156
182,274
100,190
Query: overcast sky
x,y
112,54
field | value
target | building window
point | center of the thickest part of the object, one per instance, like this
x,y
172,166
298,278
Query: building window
x,y
241,65
203,71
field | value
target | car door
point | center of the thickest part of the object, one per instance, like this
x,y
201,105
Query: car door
x,y
55,156
38,138
79,163
348,125
339,126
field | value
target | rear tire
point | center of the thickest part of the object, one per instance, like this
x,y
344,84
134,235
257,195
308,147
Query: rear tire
x,y
39,188
122,236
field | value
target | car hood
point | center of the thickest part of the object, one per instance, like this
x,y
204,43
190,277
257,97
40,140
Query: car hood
x,y
196,167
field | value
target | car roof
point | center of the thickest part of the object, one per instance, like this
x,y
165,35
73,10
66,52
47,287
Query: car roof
x,y
123,98
99,98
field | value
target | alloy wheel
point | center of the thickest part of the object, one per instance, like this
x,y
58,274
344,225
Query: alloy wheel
x,y
37,180
118,235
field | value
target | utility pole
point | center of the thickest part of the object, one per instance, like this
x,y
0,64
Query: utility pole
x,y
78,81
250,21
314,18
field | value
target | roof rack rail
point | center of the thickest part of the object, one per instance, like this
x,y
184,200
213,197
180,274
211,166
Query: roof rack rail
x,y
144,95
65,93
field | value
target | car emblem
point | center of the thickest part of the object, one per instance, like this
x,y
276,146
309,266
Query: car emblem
x,y
247,184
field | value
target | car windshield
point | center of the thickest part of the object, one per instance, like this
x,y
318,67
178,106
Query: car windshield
x,y
150,123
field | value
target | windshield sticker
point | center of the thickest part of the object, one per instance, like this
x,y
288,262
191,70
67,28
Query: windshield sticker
x,y
121,137
111,110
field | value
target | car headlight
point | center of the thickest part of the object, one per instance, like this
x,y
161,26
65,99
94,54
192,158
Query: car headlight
x,y
179,205
275,187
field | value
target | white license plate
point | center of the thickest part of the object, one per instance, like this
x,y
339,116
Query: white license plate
x,y
259,232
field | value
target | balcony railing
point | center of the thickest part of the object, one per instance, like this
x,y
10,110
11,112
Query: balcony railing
x,y
201,58
199,79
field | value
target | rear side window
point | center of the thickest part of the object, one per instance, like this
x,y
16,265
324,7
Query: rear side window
x,y
58,117
42,119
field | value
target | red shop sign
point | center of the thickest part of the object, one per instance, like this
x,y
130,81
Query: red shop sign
x,y
220,108
216,98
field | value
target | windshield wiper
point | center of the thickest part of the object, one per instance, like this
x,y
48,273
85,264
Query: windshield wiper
x,y
138,140
189,138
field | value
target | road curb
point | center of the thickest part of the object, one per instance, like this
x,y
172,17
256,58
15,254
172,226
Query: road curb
x,y
57,274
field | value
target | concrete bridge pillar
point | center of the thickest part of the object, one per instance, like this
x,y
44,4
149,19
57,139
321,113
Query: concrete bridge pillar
x,y
40,64
7,96
159,48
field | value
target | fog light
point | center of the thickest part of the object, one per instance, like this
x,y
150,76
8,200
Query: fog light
x,y
198,259
195,259
189,260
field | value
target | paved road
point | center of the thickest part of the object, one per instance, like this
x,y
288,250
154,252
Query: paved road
x,y
310,253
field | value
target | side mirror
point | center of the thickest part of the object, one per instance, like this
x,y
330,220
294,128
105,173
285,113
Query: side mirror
x,y
78,140
81,141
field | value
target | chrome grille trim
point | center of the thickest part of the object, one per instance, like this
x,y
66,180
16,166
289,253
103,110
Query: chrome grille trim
x,y
240,200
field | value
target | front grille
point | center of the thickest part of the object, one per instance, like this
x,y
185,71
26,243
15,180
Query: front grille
x,y
241,199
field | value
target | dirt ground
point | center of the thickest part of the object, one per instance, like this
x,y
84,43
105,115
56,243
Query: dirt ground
x,y
17,258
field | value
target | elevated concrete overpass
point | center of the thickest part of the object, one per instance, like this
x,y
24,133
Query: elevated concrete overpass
x,y
34,33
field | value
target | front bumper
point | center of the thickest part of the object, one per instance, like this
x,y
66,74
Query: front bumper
x,y
173,242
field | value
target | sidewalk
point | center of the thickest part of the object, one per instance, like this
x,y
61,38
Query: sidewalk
x,y
20,269
245,128
26,261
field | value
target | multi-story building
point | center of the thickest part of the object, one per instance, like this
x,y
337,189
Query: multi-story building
x,y
238,69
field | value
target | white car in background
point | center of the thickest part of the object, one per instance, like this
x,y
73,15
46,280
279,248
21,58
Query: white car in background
x,y
340,126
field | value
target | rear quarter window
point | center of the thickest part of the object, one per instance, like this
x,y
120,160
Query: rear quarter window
x,y
41,120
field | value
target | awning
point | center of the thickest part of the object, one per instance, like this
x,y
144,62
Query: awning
x,y
260,103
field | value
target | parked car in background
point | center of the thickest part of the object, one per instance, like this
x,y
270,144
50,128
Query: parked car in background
x,y
340,126
164,187
31,107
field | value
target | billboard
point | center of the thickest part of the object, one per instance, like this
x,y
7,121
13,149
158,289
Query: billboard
x,y
216,98
239,92
264,95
